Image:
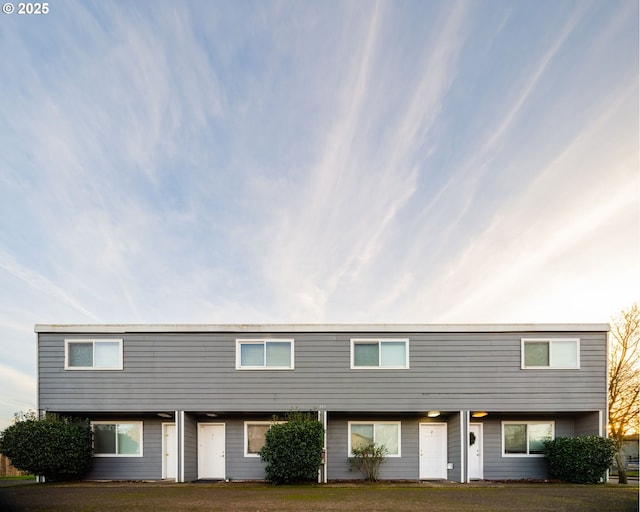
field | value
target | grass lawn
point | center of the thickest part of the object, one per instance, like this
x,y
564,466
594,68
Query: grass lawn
x,y
252,497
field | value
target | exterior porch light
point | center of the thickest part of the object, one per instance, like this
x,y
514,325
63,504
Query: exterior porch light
x,y
211,415
165,415
479,414
433,414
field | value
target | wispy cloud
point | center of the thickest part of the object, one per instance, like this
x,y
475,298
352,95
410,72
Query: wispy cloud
x,y
534,235
329,161
21,396
364,175
42,284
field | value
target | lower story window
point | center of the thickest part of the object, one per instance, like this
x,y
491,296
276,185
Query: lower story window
x,y
524,438
117,439
255,434
382,433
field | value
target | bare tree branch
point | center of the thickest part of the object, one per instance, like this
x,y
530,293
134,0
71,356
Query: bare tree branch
x,y
624,383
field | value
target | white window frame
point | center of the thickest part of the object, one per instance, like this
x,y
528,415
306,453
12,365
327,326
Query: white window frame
x,y
550,341
69,342
263,342
374,423
527,423
123,455
246,434
369,341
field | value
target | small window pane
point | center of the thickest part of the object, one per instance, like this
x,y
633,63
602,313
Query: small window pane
x,y
565,353
107,354
393,353
256,437
129,438
361,435
515,439
365,354
279,354
252,354
104,438
536,354
538,434
387,436
80,355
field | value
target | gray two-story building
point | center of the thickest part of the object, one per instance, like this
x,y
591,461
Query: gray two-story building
x,y
456,402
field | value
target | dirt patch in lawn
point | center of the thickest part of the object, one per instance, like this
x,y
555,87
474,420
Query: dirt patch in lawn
x,y
251,497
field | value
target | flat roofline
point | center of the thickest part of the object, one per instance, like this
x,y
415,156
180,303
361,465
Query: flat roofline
x,y
268,328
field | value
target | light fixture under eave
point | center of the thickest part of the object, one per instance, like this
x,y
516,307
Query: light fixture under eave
x,y
433,414
479,414
165,415
211,415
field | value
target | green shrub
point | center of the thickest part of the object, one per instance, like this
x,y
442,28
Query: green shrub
x,y
57,448
293,450
582,460
367,459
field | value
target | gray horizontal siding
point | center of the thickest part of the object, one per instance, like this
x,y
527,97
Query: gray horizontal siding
x,y
190,448
147,467
497,467
454,454
589,424
448,371
240,467
394,468
406,467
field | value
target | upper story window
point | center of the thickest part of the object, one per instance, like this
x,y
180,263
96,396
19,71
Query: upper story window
x,y
93,355
526,438
562,353
264,354
117,439
380,353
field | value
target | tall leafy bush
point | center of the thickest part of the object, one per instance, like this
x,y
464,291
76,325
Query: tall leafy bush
x,y
57,448
293,450
368,459
582,460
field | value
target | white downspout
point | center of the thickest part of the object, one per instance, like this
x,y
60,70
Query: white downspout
x,y
180,441
322,472
464,428
326,455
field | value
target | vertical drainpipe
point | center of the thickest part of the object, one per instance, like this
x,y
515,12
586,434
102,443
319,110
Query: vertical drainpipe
x,y
464,428
180,441
326,455
322,474
603,432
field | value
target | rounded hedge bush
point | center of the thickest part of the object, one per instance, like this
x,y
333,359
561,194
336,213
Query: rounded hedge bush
x,y
59,449
293,450
582,460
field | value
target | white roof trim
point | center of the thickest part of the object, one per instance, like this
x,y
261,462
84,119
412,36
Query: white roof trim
x,y
157,328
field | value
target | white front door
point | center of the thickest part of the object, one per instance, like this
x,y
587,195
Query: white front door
x,y
211,448
169,451
475,451
433,450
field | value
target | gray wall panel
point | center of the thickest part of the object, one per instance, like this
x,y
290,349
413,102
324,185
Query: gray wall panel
x,y
497,467
588,424
451,371
240,467
405,467
147,467
196,371
453,447
190,448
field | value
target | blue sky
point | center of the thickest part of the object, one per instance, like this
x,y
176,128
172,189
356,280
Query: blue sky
x,y
308,161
